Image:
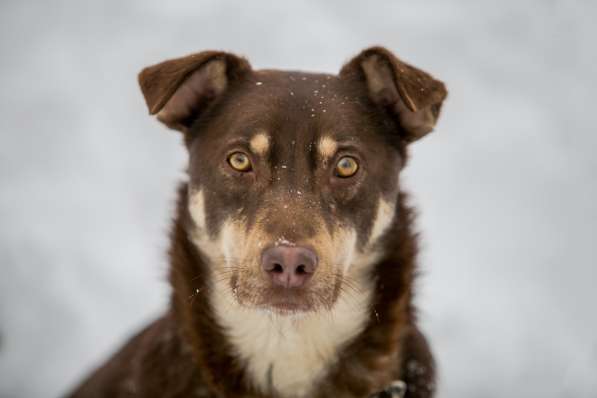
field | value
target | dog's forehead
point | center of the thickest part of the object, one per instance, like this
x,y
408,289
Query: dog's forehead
x,y
273,105
306,85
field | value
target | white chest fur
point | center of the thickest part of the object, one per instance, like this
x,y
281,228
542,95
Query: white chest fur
x,y
288,354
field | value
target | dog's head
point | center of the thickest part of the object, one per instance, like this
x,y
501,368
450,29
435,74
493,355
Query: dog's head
x,y
293,177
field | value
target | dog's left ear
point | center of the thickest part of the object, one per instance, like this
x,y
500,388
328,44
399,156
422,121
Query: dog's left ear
x,y
411,94
178,90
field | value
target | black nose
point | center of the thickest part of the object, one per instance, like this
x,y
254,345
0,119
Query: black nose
x,y
289,266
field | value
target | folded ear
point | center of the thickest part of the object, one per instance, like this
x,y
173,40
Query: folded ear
x,y
411,94
178,90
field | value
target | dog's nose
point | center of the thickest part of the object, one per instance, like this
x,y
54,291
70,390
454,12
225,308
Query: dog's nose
x,y
289,266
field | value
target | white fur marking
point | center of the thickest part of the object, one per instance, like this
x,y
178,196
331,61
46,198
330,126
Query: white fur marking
x,y
371,252
199,234
327,147
298,348
197,208
260,143
383,219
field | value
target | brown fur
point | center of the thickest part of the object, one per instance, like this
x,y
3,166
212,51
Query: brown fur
x,y
186,352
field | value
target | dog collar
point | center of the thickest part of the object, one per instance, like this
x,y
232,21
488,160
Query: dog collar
x,y
396,389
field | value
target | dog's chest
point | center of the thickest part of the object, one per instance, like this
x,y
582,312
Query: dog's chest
x,y
287,355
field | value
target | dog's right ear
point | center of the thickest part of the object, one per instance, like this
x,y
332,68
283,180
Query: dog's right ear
x,y
178,90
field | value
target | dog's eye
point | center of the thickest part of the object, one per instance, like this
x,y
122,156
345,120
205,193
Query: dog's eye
x,y
239,161
346,167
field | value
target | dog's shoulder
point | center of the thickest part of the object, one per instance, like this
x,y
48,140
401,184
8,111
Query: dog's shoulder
x,y
154,363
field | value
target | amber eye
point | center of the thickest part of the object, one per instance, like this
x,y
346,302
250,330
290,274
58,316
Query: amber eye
x,y
239,161
346,167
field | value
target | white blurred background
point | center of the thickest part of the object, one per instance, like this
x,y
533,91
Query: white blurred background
x,y
506,186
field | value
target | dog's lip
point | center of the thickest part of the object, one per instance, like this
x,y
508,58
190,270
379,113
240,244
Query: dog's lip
x,y
287,308
288,304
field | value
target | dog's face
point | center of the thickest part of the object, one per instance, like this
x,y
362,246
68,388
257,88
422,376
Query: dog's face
x,y
293,177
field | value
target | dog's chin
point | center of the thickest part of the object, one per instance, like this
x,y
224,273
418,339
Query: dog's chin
x,y
284,302
285,308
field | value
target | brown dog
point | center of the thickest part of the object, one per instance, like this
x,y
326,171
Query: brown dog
x,y
292,255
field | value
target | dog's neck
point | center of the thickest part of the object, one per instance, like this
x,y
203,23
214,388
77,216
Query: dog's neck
x,y
254,353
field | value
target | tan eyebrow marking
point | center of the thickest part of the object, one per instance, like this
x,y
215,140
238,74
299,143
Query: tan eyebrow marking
x,y
327,146
260,143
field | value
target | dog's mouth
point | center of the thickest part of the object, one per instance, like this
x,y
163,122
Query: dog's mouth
x,y
282,300
287,301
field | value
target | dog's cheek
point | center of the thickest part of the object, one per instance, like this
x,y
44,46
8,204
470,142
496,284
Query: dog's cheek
x,y
344,244
241,248
208,210
198,229
370,231
233,241
374,207
226,241
358,214
382,221
336,251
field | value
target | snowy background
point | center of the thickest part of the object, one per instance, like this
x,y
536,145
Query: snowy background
x,y
506,186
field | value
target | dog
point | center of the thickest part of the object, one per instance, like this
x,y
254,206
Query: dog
x,y
292,254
